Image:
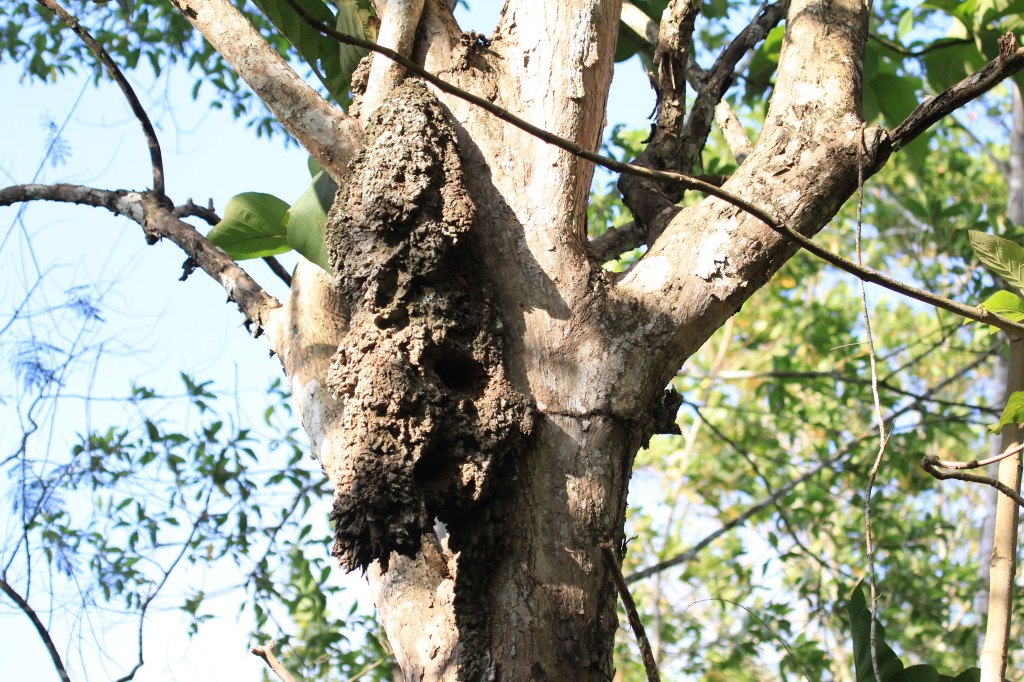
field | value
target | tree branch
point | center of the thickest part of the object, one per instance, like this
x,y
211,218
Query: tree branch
x,y
155,155
398,22
929,465
159,222
720,77
614,562
1009,61
40,628
732,129
266,652
327,133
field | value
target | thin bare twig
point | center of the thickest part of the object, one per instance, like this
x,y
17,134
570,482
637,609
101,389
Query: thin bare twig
x,y
974,463
266,652
614,564
883,438
376,664
40,628
843,454
163,581
928,464
763,623
155,156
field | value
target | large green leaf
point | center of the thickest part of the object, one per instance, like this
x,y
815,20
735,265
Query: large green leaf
x,y
860,626
252,227
306,220
1003,257
1013,413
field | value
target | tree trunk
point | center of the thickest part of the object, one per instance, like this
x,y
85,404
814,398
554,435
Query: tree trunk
x,y
488,384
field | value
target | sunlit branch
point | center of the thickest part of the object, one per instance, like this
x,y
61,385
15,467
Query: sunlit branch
x,y
720,77
159,222
267,653
327,133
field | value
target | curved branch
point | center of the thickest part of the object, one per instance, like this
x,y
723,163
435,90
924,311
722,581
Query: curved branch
x,y
40,628
720,77
159,222
929,465
155,155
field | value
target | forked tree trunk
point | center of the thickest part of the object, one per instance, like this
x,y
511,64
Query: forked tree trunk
x,y
479,369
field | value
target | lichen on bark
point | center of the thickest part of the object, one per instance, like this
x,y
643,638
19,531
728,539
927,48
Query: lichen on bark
x,y
431,423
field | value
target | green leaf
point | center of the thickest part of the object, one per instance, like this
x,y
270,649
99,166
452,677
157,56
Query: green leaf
x,y
906,24
306,220
1004,303
1003,257
921,673
969,675
353,21
889,664
252,227
1013,413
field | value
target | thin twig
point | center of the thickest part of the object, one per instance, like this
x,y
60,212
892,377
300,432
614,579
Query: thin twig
x,y
928,465
40,628
740,375
841,455
906,52
155,156
278,269
974,463
163,581
614,567
774,633
883,439
372,666
916,123
266,652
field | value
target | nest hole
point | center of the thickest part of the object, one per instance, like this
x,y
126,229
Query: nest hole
x,y
462,374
